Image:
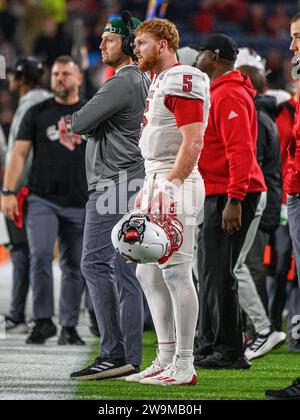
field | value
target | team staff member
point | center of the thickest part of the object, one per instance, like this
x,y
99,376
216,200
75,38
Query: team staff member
x,y
251,275
233,183
114,168
56,204
281,241
24,80
292,186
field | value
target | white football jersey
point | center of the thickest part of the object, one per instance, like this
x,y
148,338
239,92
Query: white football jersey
x,y
160,137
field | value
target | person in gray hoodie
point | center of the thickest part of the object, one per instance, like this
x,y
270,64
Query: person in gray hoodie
x,y
24,81
114,169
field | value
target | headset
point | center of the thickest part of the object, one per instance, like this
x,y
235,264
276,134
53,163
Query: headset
x,y
128,45
128,42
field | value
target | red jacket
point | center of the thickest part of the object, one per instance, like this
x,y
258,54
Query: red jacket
x,y
228,162
285,124
292,182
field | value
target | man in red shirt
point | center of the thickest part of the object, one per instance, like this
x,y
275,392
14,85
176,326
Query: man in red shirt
x,y
233,183
281,241
292,187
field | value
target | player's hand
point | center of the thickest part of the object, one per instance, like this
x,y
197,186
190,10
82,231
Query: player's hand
x,y
9,206
138,199
232,218
162,205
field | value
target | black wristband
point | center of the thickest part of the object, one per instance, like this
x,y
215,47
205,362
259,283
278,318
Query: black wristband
x,y
5,191
234,201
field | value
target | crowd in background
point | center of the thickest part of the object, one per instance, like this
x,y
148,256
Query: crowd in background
x,y
48,29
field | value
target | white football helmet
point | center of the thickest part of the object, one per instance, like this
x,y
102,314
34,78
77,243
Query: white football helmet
x,y
249,57
142,238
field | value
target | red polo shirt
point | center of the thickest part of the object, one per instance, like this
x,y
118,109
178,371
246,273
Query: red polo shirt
x,y
292,182
285,124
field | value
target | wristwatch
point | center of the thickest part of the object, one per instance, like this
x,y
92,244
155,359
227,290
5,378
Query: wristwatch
x,y
234,201
5,191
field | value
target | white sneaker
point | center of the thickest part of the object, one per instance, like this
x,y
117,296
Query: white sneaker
x,y
13,327
155,369
264,344
173,375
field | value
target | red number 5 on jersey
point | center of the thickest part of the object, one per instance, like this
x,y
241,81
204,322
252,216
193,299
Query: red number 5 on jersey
x,y
187,83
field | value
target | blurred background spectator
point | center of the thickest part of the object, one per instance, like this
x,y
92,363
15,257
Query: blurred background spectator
x,y
48,28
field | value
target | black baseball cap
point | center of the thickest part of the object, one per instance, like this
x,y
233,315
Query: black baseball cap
x,y
222,45
30,67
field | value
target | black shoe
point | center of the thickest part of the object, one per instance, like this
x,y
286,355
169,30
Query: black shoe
x,y
199,357
218,361
137,369
43,329
69,335
292,392
104,369
93,324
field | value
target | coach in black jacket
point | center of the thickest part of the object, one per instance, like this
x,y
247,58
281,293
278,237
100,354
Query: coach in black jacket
x,y
268,156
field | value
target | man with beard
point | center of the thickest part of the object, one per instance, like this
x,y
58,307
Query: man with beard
x,y
55,206
172,138
292,187
115,169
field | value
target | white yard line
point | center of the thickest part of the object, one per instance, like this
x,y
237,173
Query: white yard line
x,y
38,372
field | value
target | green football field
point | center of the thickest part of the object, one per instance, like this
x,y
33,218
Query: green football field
x,y
275,370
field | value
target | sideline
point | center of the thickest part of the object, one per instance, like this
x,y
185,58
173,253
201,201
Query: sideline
x,y
38,372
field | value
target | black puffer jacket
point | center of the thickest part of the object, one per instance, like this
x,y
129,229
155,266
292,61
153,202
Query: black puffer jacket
x,y
268,156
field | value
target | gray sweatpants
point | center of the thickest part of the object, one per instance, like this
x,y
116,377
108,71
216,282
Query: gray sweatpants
x,y
114,290
20,259
293,205
249,299
45,222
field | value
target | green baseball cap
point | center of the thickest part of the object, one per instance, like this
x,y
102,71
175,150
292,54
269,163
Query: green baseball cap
x,y
117,26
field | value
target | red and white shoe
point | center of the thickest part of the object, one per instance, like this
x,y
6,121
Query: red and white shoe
x,y
155,369
173,375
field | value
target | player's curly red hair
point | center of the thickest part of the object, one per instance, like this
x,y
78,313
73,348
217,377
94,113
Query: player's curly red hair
x,y
161,29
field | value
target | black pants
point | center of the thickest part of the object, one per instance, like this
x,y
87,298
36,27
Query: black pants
x,y
220,321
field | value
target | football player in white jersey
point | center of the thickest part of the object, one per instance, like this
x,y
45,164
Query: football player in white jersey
x,y
171,141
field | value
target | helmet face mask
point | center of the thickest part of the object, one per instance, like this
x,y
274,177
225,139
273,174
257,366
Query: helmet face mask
x,y
174,231
144,239
133,229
